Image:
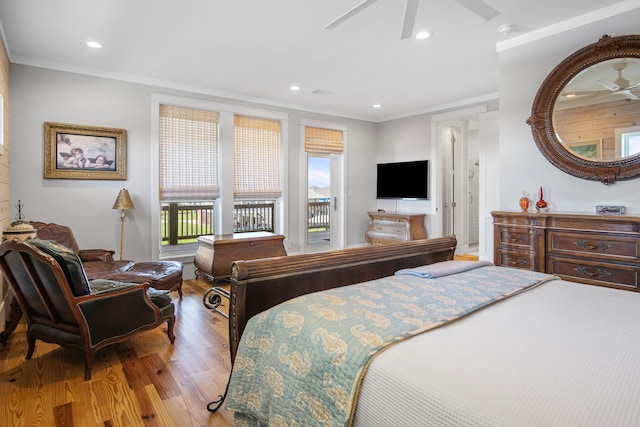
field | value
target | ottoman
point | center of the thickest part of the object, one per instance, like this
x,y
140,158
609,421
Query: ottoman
x,y
164,275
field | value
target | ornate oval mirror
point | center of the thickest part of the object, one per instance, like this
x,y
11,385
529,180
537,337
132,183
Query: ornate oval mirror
x,y
585,118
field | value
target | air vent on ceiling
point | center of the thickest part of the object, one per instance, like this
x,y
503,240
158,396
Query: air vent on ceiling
x,y
321,92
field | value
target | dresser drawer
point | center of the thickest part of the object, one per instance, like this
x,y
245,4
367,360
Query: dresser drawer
x,y
516,237
523,260
595,273
593,245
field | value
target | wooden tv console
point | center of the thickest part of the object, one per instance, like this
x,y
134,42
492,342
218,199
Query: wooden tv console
x,y
595,249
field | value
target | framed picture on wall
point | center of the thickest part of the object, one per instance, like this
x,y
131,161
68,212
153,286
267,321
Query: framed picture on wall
x,y
84,152
590,150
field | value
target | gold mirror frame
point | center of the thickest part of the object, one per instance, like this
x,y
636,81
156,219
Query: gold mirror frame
x,y
541,120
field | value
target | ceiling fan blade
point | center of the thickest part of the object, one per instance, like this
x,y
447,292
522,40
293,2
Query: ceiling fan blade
x,y
608,84
410,12
479,8
348,14
628,94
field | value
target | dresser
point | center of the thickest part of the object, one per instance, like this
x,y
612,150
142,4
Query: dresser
x,y
392,227
595,249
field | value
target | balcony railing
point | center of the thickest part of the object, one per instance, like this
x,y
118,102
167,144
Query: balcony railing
x,y
318,214
185,222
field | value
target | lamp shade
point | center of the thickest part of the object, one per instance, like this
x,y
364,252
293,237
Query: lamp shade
x,y
123,201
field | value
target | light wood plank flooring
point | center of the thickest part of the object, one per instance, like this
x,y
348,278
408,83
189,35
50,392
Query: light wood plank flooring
x,y
144,381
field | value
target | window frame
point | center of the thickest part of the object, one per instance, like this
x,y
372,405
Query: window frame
x,y
223,206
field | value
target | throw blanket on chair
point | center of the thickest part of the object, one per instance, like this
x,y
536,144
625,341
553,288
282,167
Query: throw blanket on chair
x,y
301,363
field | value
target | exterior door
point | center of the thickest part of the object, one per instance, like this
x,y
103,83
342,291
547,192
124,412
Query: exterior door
x,y
324,203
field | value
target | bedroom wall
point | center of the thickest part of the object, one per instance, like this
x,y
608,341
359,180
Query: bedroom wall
x,y
6,216
522,166
40,95
411,138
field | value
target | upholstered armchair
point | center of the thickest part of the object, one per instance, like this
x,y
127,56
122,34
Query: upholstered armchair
x,y
61,306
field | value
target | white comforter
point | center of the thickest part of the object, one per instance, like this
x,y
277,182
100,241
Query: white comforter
x,y
563,354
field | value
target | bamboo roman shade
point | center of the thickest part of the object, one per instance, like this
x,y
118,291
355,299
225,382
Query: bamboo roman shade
x,y
317,140
257,158
189,141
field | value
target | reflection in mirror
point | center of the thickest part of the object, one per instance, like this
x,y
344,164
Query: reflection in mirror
x,y
585,118
596,116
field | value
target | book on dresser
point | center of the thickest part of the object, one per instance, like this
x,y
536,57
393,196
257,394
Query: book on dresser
x,y
594,249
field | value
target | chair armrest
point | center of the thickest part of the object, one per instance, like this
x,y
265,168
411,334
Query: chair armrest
x,y
118,313
96,255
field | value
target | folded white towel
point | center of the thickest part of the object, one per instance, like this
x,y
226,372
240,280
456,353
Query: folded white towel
x,y
443,268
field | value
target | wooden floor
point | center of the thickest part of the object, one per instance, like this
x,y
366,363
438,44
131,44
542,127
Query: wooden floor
x,y
144,381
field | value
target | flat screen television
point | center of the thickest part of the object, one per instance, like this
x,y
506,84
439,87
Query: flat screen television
x,y
404,180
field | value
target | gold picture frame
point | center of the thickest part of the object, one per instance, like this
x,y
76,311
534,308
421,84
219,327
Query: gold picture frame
x,y
84,152
589,150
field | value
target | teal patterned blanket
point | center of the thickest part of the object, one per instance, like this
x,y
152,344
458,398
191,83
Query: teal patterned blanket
x,y
301,363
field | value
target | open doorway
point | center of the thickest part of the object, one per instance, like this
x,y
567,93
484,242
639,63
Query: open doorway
x,y
457,145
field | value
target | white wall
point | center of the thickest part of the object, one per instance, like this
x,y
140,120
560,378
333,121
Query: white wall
x,y
522,166
39,95
403,140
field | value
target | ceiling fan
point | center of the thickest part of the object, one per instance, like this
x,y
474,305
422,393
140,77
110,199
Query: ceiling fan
x,y
619,86
478,7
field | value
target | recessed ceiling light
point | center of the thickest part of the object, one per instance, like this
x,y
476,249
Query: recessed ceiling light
x,y
295,88
94,44
424,34
377,105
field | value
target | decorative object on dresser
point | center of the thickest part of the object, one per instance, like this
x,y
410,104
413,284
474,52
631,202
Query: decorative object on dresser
x,y
524,202
588,248
610,210
541,204
391,227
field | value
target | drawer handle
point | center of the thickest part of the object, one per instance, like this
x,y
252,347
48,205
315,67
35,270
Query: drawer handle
x,y
592,272
516,261
516,239
591,245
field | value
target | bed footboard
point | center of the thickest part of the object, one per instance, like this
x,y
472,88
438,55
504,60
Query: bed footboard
x,y
257,285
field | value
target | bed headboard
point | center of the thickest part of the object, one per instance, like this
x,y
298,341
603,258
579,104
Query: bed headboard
x,y
259,284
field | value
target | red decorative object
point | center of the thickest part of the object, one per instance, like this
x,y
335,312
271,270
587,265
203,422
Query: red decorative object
x,y
541,205
524,202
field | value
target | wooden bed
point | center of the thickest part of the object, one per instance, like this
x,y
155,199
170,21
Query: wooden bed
x,y
557,353
257,285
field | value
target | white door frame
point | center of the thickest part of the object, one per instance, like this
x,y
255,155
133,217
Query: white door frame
x,y
438,122
338,185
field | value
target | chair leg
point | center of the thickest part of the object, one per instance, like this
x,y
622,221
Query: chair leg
x,y
170,324
31,340
88,363
180,289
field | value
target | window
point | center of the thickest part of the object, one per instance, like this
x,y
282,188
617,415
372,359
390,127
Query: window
x,y
219,169
630,143
188,178
256,158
